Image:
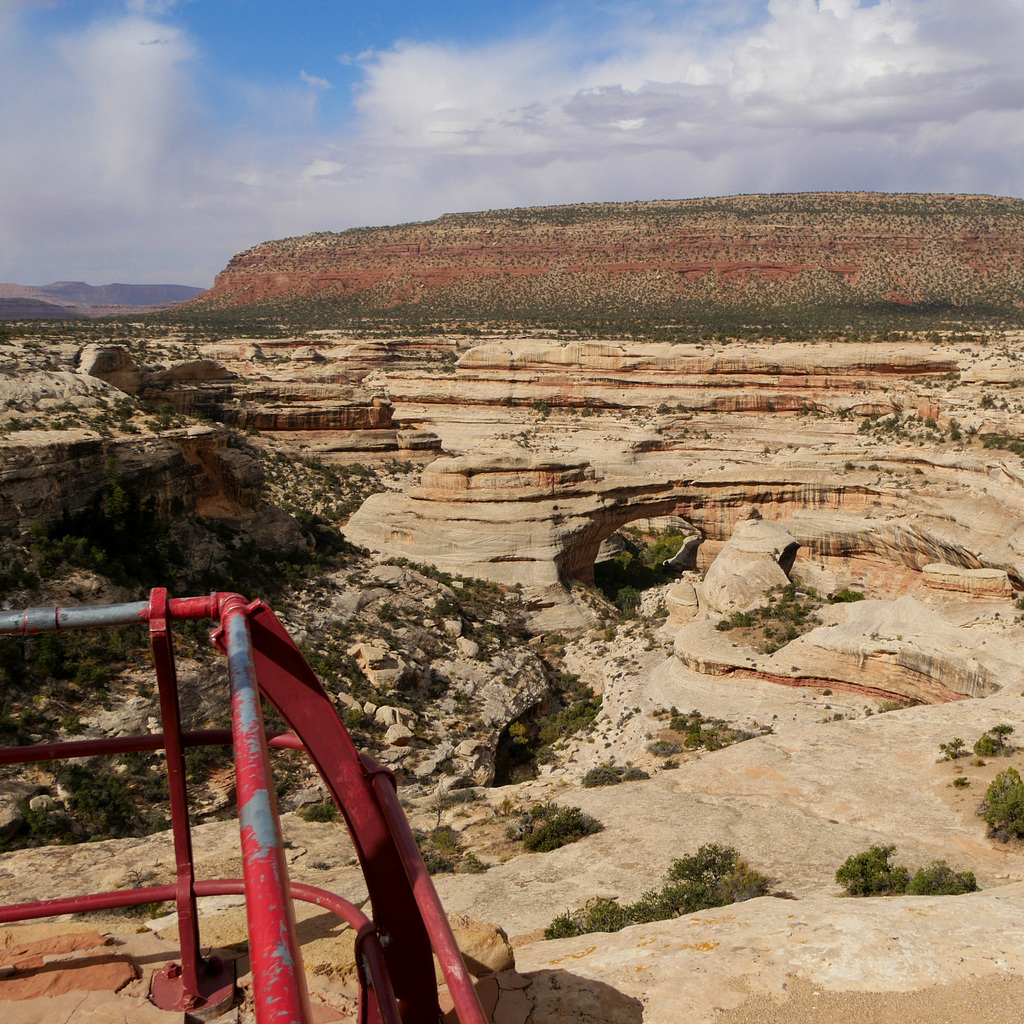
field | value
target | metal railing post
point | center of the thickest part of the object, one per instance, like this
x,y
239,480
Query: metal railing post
x,y
183,982
279,982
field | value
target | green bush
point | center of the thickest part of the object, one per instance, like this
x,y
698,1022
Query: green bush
x,y
440,848
323,811
993,742
602,775
870,873
714,876
953,749
598,915
1003,809
558,826
939,879
986,746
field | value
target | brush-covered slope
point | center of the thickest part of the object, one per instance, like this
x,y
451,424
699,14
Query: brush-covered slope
x,y
758,258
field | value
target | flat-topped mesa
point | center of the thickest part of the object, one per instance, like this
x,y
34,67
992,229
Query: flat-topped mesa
x,y
860,379
652,262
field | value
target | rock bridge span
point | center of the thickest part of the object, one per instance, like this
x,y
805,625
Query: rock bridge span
x,y
540,522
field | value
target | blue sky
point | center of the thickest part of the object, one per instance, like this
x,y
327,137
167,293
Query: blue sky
x,y
150,140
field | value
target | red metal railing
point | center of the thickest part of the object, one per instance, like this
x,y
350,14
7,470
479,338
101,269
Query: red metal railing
x,y
393,950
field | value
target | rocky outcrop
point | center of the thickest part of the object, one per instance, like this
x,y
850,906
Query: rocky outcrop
x,y
755,559
954,579
903,649
42,474
113,364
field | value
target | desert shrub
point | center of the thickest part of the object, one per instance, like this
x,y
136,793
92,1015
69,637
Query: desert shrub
x,y
993,742
323,811
870,873
1003,808
440,848
555,826
953,749
986,745
612,775
714,876
939,879
845,596
664,748
473,865
597,915
891,705
602,775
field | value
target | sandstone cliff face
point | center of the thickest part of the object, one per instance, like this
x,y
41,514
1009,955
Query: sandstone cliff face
x,y
664,258
185,472
540,522
772,379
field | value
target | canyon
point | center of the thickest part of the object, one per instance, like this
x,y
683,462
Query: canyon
x,y
454,526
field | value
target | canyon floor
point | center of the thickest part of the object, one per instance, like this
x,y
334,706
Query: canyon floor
x,y
891,469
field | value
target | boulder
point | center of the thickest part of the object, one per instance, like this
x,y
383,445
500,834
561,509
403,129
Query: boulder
x,y
398,735
381,667
12,796
756,558
681,601
113,364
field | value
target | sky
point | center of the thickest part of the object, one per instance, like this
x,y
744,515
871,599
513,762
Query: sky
x,y
147,141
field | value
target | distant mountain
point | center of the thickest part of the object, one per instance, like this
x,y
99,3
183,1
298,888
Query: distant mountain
x,y
18,308
812,258
77,293
64,299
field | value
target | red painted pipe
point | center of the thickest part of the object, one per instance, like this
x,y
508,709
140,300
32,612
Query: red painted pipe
x,y
460,982
279,983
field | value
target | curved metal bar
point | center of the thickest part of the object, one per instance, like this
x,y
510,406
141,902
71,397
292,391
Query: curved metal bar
x,y
460,982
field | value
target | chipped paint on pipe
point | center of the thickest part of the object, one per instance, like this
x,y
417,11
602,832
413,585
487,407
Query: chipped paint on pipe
x,y
279,981
49,620
258,816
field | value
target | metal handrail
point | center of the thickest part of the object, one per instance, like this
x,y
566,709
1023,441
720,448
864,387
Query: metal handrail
x,y
396,976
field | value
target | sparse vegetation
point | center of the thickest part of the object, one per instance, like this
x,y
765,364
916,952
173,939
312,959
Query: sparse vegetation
x,y
611,775
1003,807
714,876
994,742
787,613
548,826
871,873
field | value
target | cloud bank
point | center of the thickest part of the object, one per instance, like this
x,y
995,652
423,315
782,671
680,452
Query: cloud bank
x,y
119,163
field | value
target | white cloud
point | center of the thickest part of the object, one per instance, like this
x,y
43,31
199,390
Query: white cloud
x,y
314,82
110,162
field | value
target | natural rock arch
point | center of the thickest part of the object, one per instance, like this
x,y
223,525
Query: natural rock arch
x,y
540,522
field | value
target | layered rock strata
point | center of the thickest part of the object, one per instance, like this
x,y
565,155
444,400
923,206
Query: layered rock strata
x,y
43,474
781,378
